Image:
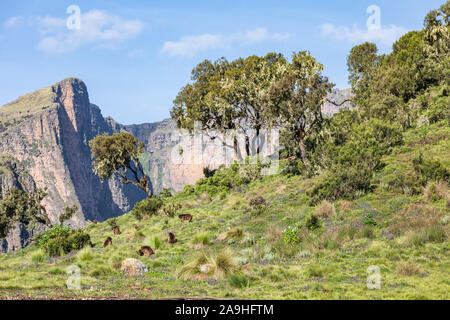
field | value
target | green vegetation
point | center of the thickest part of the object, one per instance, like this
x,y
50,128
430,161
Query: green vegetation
x,y
366,187
119,155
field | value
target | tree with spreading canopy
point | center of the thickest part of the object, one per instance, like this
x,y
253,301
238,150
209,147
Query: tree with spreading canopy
x,y
119,154
22,207
294,101
227,95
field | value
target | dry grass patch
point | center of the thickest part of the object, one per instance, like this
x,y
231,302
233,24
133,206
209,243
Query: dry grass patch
x,y
345,206
325,210
407,269
210,267
435,191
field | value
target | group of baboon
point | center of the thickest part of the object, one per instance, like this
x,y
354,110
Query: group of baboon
x,y
146,251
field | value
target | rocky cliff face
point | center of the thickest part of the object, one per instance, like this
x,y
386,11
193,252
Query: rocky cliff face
x,y
47,132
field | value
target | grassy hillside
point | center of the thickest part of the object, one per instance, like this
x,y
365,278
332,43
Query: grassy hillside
x,y
25,107
405,236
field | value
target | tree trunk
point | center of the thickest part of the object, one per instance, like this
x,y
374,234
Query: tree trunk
x,y
303,154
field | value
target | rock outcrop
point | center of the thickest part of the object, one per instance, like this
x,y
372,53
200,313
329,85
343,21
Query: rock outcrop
x,y
47,132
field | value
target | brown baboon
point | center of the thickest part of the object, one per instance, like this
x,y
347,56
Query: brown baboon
x,y
95,221
108,241
172,238
137,227
145,251
185,217
116,230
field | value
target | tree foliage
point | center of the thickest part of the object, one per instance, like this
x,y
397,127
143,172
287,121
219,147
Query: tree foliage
x,y
21,207
119,154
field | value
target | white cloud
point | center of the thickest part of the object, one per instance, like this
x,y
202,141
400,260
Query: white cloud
x,y
190,45
13,22
385,35
97,28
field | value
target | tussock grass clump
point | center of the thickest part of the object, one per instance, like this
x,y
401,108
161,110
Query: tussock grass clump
x,y
155,242
115,262
325,210
345,206
85,255
100,271
208,267
204,197
274,233
238,281
435,191
234,233
38,257
407,269
203,238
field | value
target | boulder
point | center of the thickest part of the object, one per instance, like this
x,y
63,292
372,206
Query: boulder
x,y
133,267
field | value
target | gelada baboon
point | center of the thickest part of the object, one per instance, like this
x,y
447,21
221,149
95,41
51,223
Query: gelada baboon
x,y
116,230
145,251
185,217
137,227
108,241
172,238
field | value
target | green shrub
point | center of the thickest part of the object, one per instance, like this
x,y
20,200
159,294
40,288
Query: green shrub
x,y
369,220
112,222
312,222
343,182
170,209
165,193
147,207
258,205
60,240
430,170
290,235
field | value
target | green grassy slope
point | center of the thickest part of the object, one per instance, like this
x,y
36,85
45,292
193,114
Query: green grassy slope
x,y
25,107
330,263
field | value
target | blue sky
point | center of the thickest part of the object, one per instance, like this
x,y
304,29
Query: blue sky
x,y
135,56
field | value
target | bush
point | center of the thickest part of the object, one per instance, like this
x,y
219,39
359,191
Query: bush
x,y
312,222
170,209
165,193
342,182
430,170
369,220
258,205
60,240
147,207
290,235
112,222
